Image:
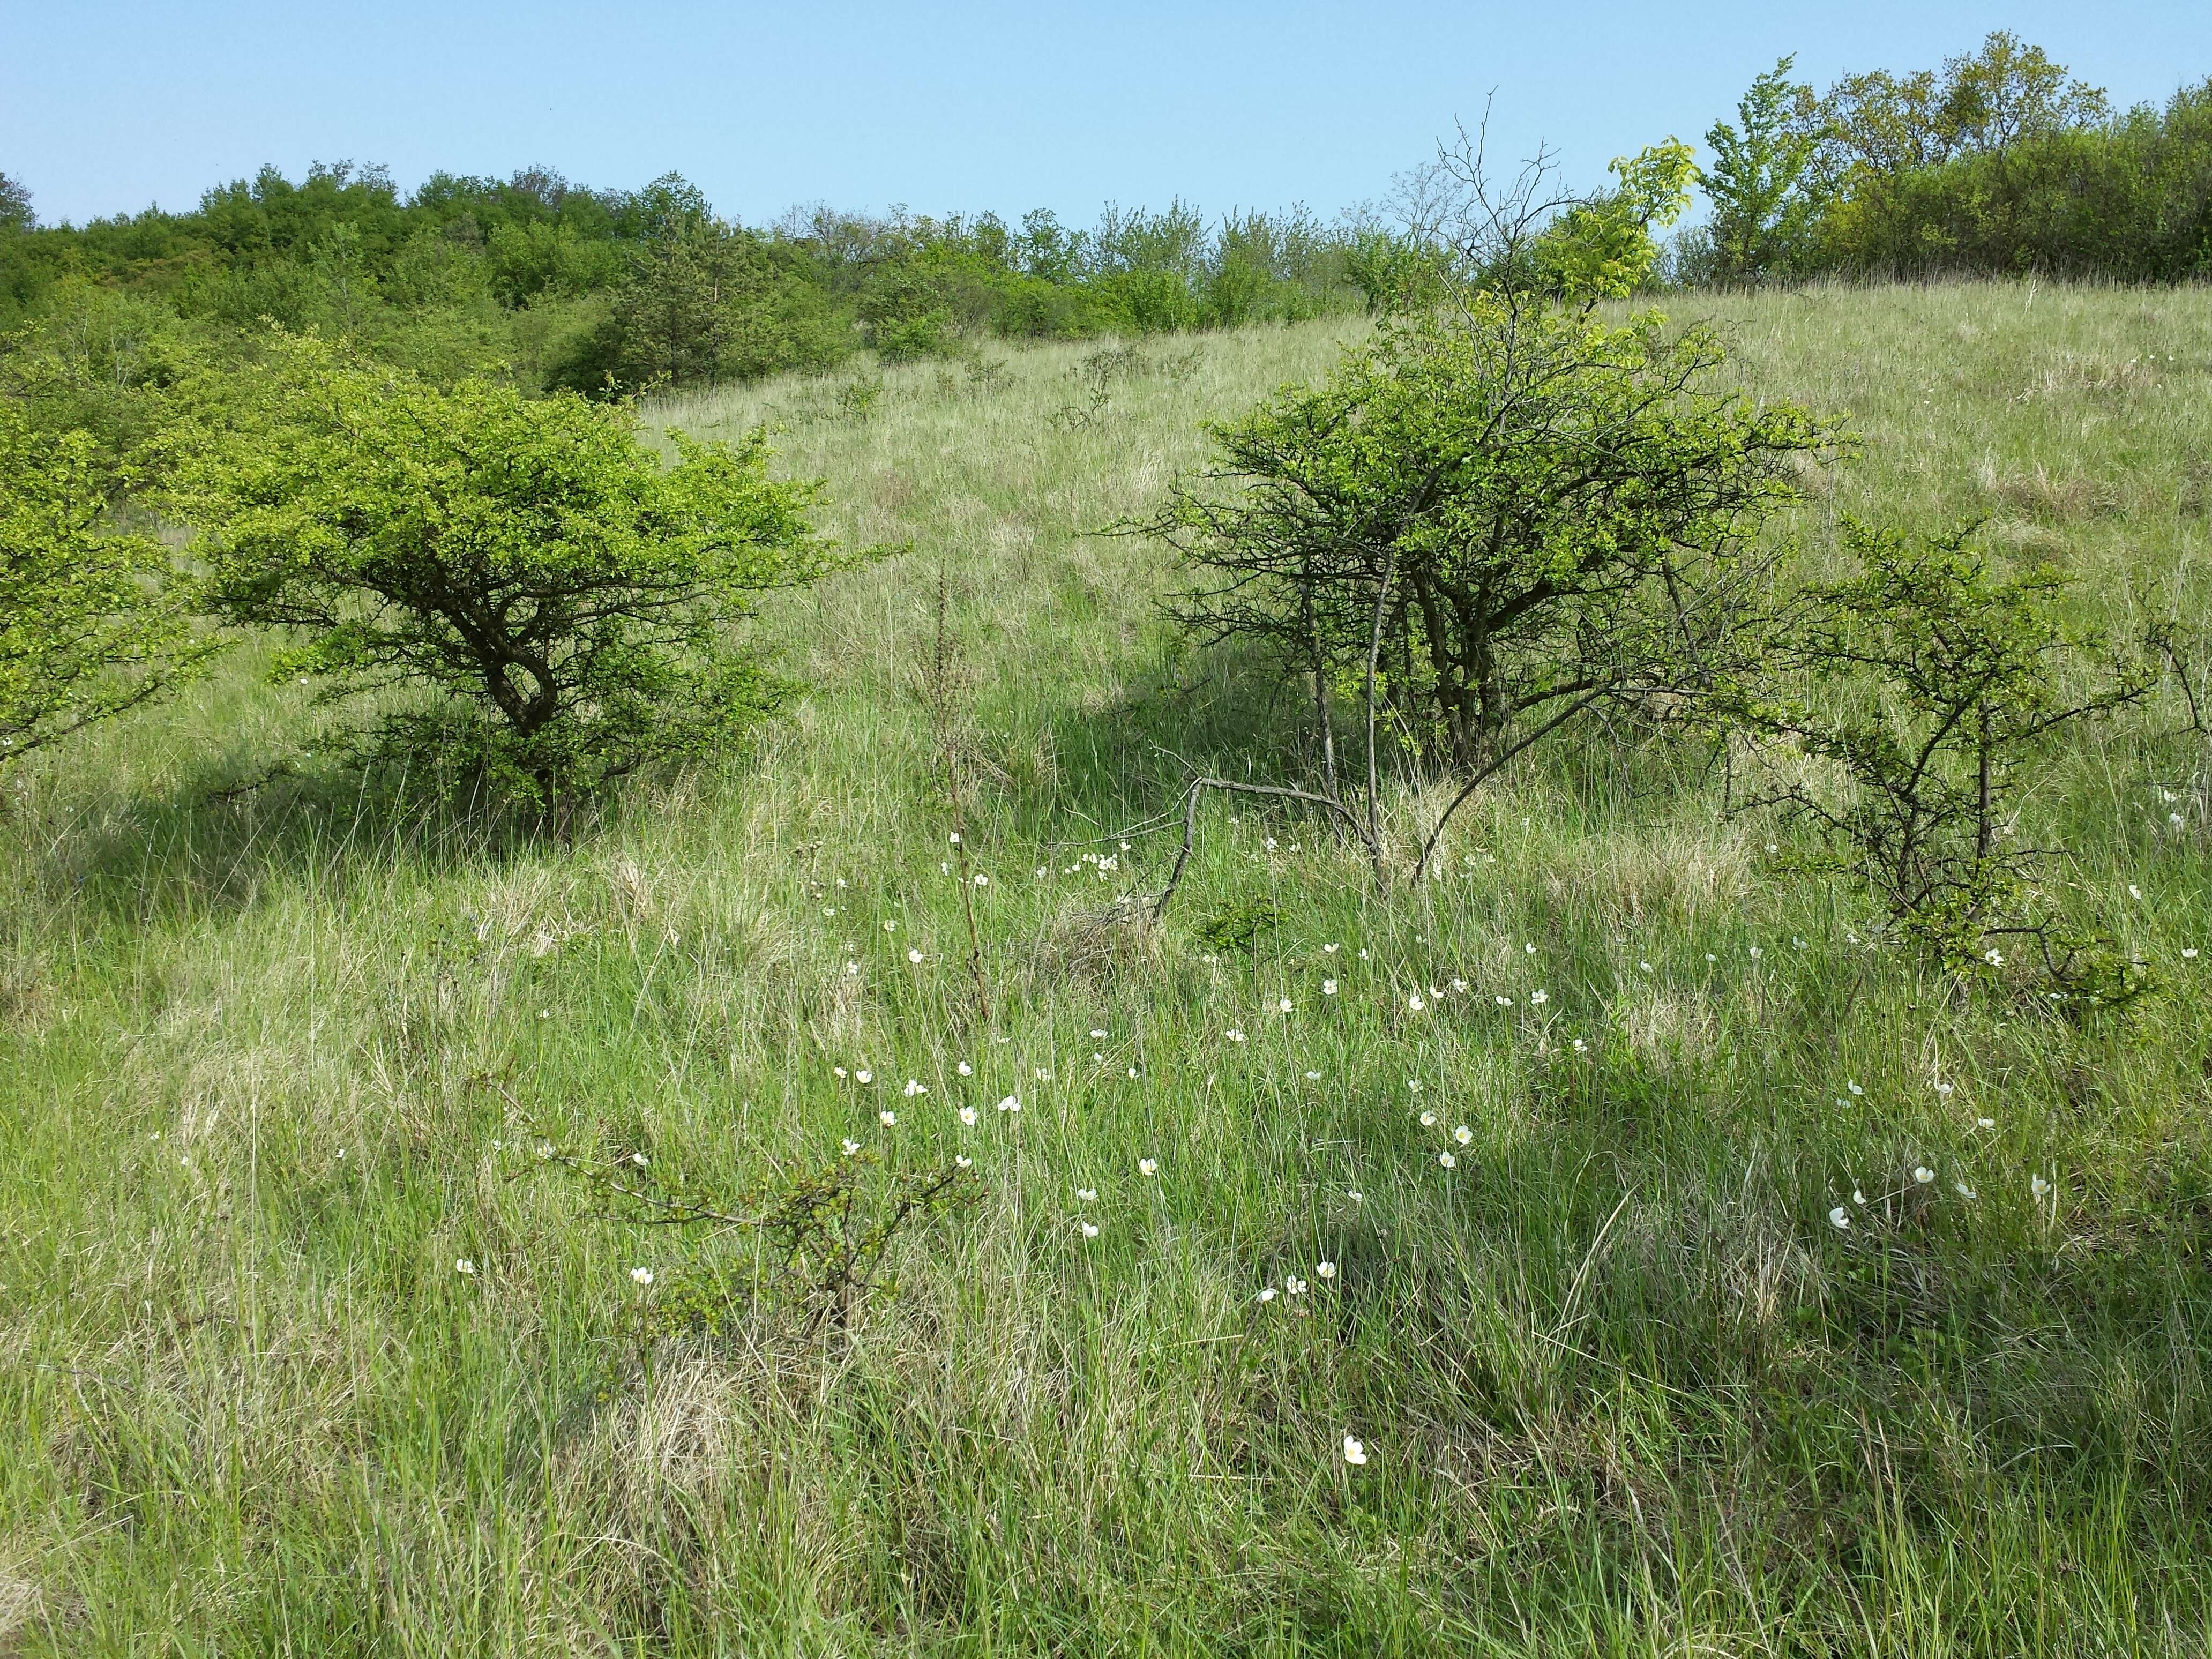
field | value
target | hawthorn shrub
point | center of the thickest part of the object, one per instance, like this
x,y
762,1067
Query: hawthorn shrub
x,y
568,601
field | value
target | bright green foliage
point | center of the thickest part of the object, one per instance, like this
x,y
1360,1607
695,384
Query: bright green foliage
x,y
1762,210
1602,249
1556,507
90,623
563,593
1933,684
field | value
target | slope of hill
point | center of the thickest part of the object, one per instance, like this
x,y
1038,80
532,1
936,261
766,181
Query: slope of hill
x,y
306,1348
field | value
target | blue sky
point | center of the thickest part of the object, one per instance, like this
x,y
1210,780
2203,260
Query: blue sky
x,y
105,108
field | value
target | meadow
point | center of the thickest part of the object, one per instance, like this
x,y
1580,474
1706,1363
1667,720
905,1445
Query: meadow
x,y
1566,1125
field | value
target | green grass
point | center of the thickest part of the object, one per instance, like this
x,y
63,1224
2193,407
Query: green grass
x,y
1622,1386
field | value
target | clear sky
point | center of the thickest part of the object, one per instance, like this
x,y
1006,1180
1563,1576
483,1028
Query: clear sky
x,y
106,107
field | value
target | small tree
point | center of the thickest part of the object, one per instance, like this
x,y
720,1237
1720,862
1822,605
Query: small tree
x,y
91,622
1508,514
1760,182
1921,691
566,597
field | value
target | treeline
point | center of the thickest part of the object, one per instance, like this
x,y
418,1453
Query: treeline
x,y
1999,163
606,291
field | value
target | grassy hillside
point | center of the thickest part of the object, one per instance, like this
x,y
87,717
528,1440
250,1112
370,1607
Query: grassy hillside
x,y
276,1058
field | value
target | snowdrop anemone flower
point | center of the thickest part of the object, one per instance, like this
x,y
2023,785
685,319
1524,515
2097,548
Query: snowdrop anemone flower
x,y
1645,966
914,956
642,1275
961,1161
1995,958
1428,1120
916,1086
1354,1453
891,927
839,1073
1090,1229
1580,1047
1363,953
1840,1218
1503,1001
1355,1194
1448,1160
851,969
850,1145
864,1075
1133,1074
1985,1123
465,1267
968,1117
2037,1187
2133,891
1088,1194
888,1118
1756,953
1148,1166
1328,987
1010,1104
1234,1034
1531,949
1853,1086
1330,950
638,1158
1943,1088
1294,1285
1415,1002
1962,1189
1324,1270
1313,1077
2189,953
1268,1293
982,880
1857,1197
1923,1174
1045,1074
1460,986
1463,1134
1097,1035
1539,998
1283,1005
966,1069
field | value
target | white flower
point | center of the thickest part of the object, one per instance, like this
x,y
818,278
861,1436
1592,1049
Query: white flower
x,y
1354,1453
1853,1086
1460,985
1283,1005
851,969
982,880
1146,1166
1090,1229
968,1117
2037,1187
1043,1073
1756,953
1355,1194
1313,1077
1503,1001
1448,1160
966,1069
638,1158
1943,1088
1645,966
943,868
888,1118
891,927
1324,1270
1923,1174
1415,1003
1088,1194
1795,940
851,1146
1709,956
1268,1293
1995,958
1531,949
961,1161
1328,987
1986,1122
839,1073
1962,1189
1839,1218
2189,953
1271,843
465,1267
1857,1197
864,1075
1097,1036
642,1275
1462,1134
1042,872
1428,1120
1132,1074
1363,953
916,1086
1294,1285
2133,891
913,956
1539,997
1234,1034
1413,1084
954,838
1580,1047
1010,1104
1329,949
